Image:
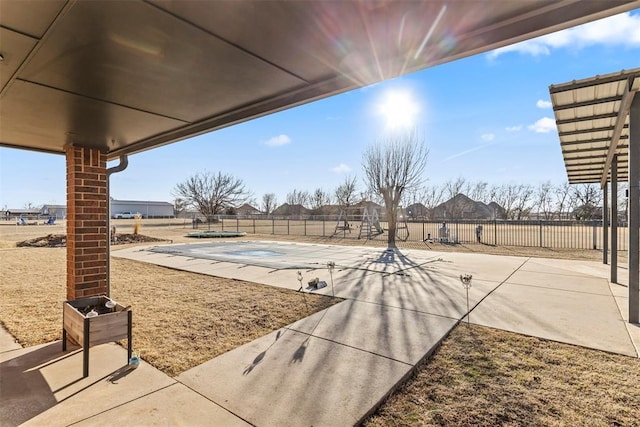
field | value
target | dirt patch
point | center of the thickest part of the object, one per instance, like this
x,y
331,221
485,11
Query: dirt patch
x,y
60,240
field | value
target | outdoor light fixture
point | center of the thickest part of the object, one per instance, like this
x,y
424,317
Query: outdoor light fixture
x,y
300,280
466,283
331,266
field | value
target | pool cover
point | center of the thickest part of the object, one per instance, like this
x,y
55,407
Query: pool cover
x,y
276,255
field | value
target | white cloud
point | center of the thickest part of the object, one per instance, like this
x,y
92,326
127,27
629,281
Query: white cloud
x,y
341,168
619,30
516,128
543,104
544,125
278,141
487,137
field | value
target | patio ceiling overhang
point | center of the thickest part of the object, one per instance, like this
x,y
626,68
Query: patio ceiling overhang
x,y
126,76
592,116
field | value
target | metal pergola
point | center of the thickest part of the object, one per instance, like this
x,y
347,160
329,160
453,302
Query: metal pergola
x,y
598,122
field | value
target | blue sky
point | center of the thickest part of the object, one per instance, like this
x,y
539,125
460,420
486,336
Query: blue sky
x,y
486,118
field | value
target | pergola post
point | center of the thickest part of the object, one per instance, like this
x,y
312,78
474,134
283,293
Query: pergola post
x,y
605,224
614,220
87,213
634,210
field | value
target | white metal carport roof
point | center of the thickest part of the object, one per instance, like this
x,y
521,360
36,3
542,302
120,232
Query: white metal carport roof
x,y
592,116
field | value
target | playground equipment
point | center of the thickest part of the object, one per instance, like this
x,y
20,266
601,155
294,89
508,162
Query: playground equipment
x,y
342,225
402,228
370,225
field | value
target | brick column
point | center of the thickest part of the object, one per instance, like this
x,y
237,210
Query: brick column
x,y
87,210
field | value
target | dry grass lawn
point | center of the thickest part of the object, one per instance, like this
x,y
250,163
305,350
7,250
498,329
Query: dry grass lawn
x,y
181,319
486,377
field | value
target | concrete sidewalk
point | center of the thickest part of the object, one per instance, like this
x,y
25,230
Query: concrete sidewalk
x,y
43,386
331,368
335,366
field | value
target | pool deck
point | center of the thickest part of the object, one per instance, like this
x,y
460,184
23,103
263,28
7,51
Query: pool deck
x,y
335,366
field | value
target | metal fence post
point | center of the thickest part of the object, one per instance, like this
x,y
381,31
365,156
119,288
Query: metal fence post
x,y
323,221
495,232
540,233
254,226
237,223
595,236
273,225
288,227
305,227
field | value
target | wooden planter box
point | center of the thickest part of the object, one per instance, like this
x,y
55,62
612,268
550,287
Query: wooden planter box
x,y
109,325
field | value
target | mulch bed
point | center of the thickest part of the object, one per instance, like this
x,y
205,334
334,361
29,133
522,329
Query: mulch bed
x,y
60,240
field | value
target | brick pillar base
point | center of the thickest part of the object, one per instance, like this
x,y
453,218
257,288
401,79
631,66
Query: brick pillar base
x,y
87,210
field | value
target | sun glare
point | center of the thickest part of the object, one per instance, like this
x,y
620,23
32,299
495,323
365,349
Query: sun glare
x,y
399,109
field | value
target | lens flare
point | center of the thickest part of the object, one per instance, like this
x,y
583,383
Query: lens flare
x,y
399,109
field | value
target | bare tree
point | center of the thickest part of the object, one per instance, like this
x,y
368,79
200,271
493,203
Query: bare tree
x,y
211,193
432,195
477,191
544,200
506,196
269,203
454,187
564,199
347,192
393,165
179,206
319,199
297,200
588,198
298,197
524,194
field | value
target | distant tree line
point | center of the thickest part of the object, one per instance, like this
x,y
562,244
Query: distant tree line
x,y
393,169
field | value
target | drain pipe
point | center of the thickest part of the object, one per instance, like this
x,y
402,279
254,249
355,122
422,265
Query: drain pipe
x,y
124,162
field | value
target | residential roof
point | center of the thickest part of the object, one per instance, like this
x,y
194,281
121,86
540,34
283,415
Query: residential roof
x,y
127,76
142,202
592,116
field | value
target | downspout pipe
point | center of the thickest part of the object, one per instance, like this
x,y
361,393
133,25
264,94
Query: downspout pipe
x,y
124,162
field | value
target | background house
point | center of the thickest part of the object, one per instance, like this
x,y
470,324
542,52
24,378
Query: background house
x,y
462,207
148,209
292,211
58,211
247,211
13,214
417,211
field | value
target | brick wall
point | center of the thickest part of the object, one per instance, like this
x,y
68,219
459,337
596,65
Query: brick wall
x,y
87,210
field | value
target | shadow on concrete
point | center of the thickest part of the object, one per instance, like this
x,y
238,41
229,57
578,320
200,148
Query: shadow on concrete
x,y
24,392
260,357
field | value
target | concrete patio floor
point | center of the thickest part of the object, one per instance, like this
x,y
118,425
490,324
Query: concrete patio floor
x,y
331,368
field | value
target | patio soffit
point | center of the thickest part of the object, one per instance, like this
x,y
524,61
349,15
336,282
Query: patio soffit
x,y
592,116
126,76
